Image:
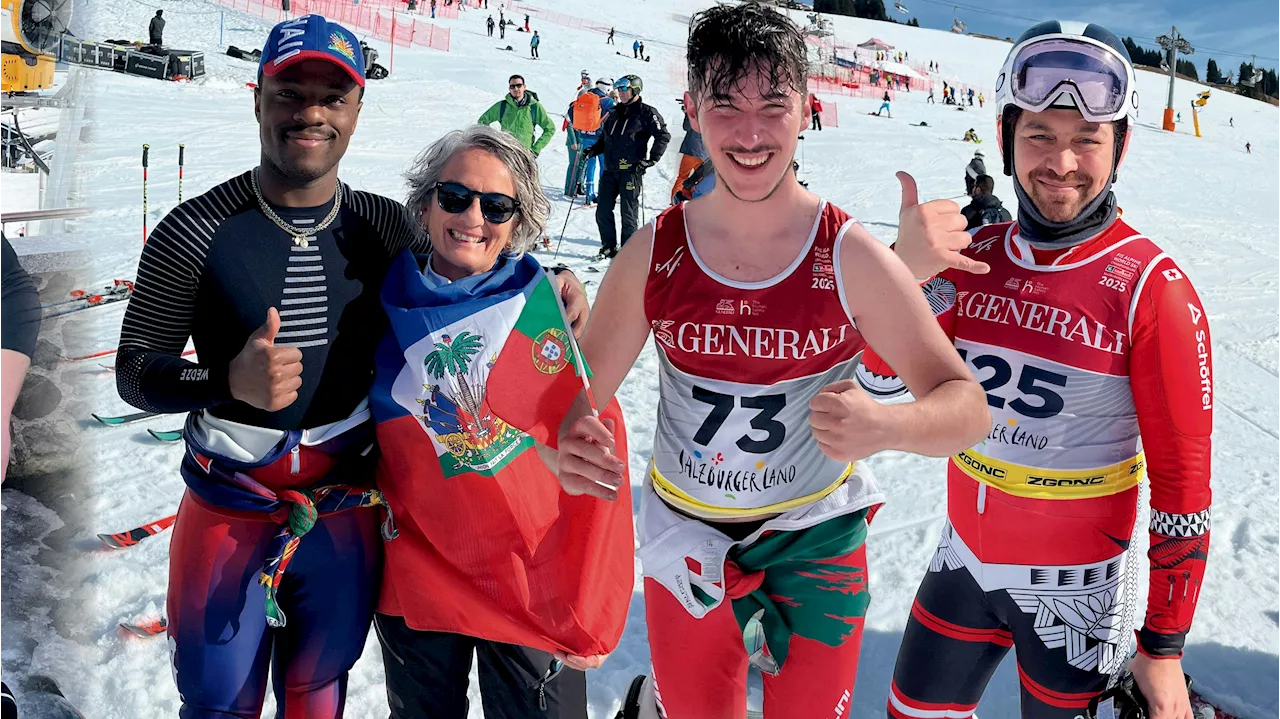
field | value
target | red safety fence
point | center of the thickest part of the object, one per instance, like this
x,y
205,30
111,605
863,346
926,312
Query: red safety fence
x,y
830,115
369,16
555,18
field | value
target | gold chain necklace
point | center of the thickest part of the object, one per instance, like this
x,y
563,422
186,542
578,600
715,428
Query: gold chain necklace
x,y
304,238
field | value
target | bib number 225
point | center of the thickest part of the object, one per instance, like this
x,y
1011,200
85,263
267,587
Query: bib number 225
x,y
767,408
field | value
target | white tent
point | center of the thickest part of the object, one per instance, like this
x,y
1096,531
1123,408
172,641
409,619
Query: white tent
x,y
897,68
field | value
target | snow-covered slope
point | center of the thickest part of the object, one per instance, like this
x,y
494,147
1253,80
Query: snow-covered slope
x,y
1204,200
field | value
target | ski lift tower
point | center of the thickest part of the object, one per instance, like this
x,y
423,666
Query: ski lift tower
x,y
1172,44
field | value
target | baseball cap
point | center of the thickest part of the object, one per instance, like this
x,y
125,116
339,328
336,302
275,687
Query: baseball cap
x,y
312,37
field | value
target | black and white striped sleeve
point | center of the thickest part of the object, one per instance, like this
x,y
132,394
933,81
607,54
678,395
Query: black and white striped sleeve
x,y
390,220
150,371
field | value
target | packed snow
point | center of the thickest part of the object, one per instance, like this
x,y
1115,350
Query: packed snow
x,y
1203,200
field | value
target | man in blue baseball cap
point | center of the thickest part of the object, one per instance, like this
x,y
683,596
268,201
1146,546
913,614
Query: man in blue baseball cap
x,y
274,275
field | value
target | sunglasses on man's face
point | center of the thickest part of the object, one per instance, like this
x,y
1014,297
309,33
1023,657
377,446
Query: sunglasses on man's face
x,y
456,198
516,87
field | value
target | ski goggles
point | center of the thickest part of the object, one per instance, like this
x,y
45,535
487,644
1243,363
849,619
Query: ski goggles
x,y
1098,81
622,85
456,198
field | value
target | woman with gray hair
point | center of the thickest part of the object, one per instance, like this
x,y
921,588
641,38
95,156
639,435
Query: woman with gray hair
x,y
492,558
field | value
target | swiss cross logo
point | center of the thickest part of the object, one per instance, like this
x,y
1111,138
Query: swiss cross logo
x,y
1196,314
1172,274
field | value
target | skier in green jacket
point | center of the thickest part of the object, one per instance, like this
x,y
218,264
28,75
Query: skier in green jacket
x,y
518,112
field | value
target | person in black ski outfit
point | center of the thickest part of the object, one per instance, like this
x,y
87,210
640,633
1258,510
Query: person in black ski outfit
x,y
156,30
21,327
985,208
489,24
977,166
624,145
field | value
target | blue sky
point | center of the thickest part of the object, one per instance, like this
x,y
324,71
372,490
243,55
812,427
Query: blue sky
x,y
1238,26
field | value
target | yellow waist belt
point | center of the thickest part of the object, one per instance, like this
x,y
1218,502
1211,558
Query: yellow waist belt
x,y
1023,481
682,501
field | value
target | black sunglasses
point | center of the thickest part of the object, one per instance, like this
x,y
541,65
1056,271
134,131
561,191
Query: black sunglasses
x,y
455,198
513,87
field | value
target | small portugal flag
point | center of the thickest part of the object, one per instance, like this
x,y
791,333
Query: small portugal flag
x,y
539,371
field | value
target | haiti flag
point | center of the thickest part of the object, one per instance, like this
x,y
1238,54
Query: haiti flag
x,y
489,545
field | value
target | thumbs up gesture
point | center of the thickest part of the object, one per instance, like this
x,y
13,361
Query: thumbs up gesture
x,y
263,375
846,422
931,235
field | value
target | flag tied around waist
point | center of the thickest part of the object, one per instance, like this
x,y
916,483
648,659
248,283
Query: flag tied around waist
x,y
471,374
340,467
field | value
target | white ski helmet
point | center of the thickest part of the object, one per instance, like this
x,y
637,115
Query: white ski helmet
x,y
1060,63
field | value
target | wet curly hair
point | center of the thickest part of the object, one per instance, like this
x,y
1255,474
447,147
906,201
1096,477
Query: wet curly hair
x,y
729,42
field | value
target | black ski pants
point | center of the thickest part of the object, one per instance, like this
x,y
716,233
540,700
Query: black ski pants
x,y
614,185
817,121
427,677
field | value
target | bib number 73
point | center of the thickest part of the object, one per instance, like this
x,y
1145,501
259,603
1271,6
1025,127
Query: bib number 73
x,y
767,408
1033,382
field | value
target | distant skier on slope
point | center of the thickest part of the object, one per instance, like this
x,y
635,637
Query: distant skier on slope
x,y
1103,373
884,106
977,166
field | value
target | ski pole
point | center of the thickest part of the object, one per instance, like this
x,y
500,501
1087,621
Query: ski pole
x,y
566,225
181,152
145,150
573,180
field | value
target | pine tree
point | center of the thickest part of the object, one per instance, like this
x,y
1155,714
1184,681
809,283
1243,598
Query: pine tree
x,y
1246,73
913,22
1212,74
1187,69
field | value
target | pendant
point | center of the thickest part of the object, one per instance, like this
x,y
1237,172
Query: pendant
x,y
303,241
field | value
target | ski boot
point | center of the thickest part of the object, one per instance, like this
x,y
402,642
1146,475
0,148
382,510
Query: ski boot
x,y
641,701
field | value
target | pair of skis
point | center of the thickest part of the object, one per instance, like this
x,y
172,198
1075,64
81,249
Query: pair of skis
x,y
143,626
160,435
118,291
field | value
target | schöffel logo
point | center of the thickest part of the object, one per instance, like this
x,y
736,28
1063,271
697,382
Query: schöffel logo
x,y
342,46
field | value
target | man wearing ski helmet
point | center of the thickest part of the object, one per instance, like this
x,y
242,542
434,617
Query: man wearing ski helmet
x,y
1093,347
624,145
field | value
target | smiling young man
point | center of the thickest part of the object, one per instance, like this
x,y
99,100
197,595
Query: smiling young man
x,y
759,295
1094,351
275,276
